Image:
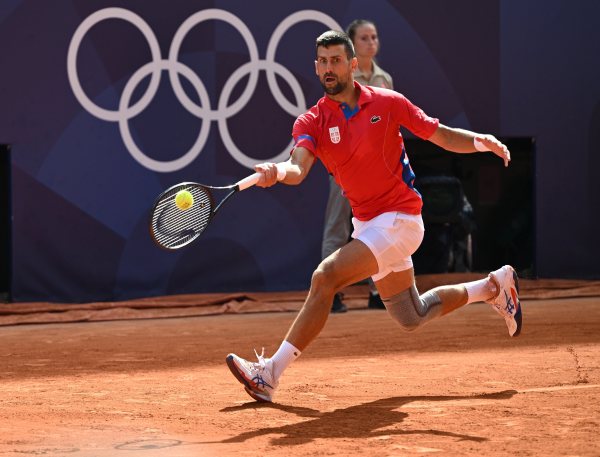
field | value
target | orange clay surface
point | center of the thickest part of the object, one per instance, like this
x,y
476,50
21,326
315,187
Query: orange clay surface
x,y
160,387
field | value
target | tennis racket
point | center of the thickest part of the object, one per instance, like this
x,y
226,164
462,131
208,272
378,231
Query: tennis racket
x,y
173,228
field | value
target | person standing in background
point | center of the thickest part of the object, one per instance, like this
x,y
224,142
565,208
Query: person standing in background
x,y
363,34
338,214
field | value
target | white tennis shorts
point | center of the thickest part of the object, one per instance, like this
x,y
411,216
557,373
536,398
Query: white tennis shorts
x,y
392,238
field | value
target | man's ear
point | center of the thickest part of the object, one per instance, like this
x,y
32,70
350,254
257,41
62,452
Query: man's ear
x,y
354,63
316,70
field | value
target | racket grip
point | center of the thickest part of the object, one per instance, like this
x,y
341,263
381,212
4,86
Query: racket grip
x,y
251,180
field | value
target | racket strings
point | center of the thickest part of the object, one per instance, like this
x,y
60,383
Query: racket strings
x,y
174,227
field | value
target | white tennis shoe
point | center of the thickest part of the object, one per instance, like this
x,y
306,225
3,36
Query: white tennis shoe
x,y
257,377
507,303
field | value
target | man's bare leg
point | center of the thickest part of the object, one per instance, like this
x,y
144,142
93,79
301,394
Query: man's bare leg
x,y
346,266
412,310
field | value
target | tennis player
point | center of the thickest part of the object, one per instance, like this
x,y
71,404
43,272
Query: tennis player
x,y
354,131
337,227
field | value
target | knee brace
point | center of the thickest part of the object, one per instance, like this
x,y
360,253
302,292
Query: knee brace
x,y
411,310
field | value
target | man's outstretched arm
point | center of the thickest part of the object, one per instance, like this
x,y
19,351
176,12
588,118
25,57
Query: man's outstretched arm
x,y
296,168
465,141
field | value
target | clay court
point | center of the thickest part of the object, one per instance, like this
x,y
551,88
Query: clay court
x,y
160,387
113,340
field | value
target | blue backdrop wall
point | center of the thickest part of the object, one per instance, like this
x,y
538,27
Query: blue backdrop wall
x,y
106,104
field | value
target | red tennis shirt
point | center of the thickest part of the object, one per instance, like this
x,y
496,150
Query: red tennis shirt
x,y
364,150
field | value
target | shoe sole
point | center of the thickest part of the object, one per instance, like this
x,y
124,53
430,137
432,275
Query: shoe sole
x,y
518,315
247,386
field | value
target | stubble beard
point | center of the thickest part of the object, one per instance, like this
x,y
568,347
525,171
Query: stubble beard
x,y
338,88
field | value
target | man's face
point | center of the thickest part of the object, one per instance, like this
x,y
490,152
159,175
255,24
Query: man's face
x,y
333,68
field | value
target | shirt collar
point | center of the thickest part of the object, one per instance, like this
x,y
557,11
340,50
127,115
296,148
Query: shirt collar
x,y
365,96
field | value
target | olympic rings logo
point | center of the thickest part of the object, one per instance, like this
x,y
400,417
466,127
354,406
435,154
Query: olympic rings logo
x,y
175,68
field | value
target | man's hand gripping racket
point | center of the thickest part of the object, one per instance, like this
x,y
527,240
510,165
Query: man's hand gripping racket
x,y
172,227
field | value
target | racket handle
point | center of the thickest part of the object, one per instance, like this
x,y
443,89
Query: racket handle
x,y
251,180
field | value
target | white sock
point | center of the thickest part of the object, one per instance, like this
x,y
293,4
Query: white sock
x,y
480,290
284,356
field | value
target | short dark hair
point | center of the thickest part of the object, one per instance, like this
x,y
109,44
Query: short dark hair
x,y
351,29
334,37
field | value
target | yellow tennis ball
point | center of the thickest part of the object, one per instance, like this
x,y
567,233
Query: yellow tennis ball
x,y
184,200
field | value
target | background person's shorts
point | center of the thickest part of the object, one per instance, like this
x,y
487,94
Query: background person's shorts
x,y
392,238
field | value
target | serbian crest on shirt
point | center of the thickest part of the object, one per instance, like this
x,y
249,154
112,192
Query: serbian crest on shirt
x,y
334,134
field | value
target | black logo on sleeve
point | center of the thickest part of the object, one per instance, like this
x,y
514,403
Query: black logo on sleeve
x,y
375,119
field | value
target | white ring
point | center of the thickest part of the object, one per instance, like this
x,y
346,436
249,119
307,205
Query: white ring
x,y
174,54
143,159
237,154
84,27
293,19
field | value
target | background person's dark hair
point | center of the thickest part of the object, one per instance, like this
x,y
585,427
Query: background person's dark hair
x,y
356,23
332,38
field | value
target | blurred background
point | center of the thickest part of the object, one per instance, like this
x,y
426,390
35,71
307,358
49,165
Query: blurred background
x,y
105,104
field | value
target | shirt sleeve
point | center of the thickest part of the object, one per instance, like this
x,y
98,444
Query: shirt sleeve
x,y
412,117
304,133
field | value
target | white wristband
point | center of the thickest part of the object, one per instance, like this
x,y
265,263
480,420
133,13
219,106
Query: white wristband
x,y
479,145
281,171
